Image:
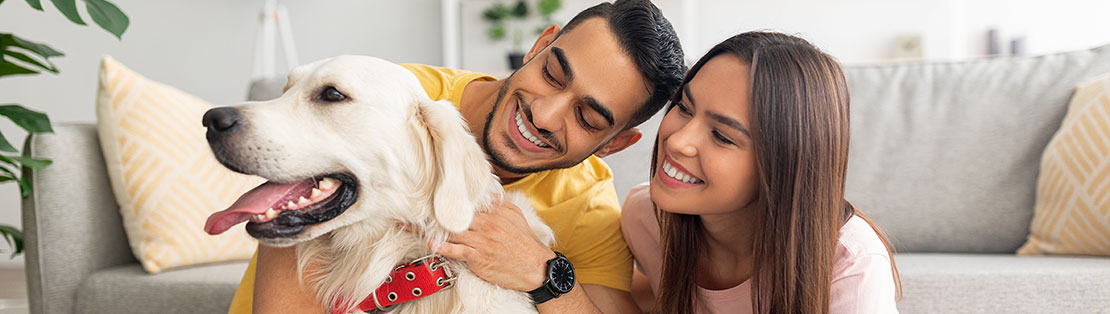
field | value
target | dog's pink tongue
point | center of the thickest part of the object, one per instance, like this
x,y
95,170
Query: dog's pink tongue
x,y
254,202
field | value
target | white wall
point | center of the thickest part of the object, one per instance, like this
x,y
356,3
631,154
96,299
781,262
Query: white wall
x,y
852,30
204,47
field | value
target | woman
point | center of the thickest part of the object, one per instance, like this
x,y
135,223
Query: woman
x,y
745,210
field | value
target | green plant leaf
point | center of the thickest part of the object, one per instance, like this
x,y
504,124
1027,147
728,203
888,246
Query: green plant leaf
x,y
35,4
69,9
496,31
41,49
5,145
548,7
520,10
8,68
45,52
495,13
30,120
14,237
49,66
30,162
108,16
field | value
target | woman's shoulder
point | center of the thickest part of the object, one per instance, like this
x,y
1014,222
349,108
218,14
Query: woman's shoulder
x,y
637,209
858,239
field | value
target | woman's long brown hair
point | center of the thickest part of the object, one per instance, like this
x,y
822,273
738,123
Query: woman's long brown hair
x,y
800,130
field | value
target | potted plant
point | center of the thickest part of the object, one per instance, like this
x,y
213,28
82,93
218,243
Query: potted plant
x,y
504,20
19,56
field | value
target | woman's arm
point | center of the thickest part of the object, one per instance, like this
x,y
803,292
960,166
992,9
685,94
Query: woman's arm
x,y
276,286
641,291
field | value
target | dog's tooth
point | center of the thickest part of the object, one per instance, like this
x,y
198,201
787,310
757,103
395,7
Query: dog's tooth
x,y
302,201
327,183
271,213
290,205
258,218
314,194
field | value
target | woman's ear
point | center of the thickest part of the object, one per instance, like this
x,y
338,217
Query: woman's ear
x,y
462,174
546,38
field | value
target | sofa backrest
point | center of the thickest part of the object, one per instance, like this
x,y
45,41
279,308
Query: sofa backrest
x,y
944,155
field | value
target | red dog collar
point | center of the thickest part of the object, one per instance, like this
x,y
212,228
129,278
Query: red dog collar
x,y
419,278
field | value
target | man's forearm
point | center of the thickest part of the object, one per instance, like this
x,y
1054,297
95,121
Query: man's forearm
x,y
576,301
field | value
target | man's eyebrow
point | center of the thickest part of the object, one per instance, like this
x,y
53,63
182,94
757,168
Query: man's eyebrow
x,y
730,122
605,113
562,58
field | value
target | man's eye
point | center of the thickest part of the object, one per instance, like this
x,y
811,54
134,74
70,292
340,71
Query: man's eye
x,y
549,78
330,94
585,123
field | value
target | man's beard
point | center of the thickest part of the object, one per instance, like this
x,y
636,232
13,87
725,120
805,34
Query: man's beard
x,y
498,159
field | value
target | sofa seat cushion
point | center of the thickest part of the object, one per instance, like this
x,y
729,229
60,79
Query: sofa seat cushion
x,y
129,289
1001,283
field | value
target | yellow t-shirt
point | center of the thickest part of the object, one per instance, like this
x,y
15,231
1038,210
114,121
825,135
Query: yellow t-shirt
x,y
578,203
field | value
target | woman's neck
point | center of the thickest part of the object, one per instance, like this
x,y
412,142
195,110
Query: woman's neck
x,y
728,258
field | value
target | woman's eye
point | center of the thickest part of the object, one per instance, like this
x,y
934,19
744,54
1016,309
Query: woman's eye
x,y
721,138
682,108
331,94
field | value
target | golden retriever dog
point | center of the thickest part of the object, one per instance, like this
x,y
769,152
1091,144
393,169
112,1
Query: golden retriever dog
x,y
353,149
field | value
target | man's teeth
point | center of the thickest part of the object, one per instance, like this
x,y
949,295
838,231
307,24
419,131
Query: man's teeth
x,y
524,131
673,172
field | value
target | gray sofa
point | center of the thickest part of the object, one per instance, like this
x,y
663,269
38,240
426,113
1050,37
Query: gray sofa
x,y
944,157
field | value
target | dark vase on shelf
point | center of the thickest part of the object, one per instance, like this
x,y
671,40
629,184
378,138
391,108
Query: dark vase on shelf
x,y
516,60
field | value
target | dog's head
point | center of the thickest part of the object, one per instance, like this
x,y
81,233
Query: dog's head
x,y
352,139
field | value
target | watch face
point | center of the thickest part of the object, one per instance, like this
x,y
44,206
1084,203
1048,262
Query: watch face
x,y
562,275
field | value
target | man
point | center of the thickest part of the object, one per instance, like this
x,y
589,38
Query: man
x,y
578,98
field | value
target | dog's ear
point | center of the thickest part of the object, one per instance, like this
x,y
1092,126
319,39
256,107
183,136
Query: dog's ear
x,y
462,174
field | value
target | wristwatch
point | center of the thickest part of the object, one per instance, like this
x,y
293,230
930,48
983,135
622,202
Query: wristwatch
x,y
560,279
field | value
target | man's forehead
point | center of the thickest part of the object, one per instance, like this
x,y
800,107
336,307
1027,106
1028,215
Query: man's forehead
x,y
602,69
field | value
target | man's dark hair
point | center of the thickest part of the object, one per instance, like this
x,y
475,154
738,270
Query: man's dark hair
x,y
648,38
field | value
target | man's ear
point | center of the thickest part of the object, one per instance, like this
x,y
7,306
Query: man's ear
x,y
623,140
541,43
461,172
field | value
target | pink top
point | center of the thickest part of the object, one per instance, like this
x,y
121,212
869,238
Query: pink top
x,y
862,279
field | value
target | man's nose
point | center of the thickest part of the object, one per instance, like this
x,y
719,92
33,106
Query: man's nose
x,y
549,113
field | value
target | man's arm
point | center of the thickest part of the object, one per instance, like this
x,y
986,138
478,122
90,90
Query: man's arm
x,y
500,248
276,286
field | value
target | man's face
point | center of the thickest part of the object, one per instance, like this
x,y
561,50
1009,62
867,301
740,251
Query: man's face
x,y
566,103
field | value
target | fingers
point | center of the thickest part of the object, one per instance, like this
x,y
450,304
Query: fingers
x,y
456,251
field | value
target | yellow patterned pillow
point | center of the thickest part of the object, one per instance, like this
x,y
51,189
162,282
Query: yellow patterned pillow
x,y
1072,214
163,174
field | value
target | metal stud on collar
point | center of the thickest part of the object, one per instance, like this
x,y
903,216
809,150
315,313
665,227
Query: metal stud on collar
x,y
410,276
416,292
392,296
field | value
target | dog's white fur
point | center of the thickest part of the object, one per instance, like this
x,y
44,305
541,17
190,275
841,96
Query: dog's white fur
x,y
416,164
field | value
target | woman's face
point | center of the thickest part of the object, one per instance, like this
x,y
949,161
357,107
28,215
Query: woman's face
x,y
704,163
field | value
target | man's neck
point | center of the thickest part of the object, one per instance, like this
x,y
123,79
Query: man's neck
x,y
477,102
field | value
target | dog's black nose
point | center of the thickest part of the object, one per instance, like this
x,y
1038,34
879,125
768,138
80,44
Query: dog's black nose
x,y
221,120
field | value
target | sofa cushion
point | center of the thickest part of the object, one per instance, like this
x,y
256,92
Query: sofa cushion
x,y
1073,191
944,155
1003,283
163,174
129,289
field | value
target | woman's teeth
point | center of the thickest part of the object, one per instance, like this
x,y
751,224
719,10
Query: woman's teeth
x,y
524,131
673,172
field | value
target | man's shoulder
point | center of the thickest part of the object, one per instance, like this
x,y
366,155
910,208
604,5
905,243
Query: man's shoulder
x,y
444,83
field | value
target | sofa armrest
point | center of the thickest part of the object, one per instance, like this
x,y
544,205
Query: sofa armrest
x,y
71,220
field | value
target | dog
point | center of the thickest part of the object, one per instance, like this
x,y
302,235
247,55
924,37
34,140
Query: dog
x,y
354,149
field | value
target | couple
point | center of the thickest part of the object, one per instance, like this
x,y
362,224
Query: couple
x,y
745,209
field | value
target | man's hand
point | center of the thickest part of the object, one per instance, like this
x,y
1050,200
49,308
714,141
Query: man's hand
x,y
501,248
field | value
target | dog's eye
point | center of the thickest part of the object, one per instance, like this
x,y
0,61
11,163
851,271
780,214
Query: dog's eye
x,y
330,94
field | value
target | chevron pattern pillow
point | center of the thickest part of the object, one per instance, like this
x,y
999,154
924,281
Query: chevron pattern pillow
x,y
1072,214
163,174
